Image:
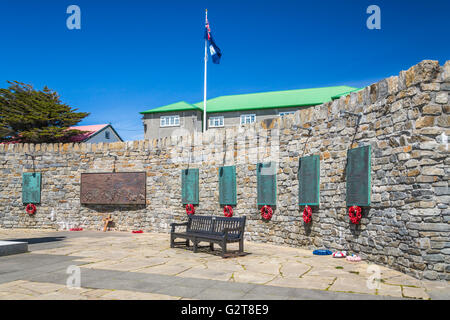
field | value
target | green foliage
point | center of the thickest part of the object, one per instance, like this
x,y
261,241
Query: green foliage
x,y
31,116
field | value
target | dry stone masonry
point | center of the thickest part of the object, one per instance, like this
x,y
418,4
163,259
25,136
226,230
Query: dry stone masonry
x,y
405,119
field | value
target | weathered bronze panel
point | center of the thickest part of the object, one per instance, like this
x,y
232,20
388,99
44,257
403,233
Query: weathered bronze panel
x,y
266,177
31,187
309,180
113,188
358,176
227,185
190,186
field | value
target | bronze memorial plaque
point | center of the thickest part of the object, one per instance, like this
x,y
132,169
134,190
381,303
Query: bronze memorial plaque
x,y
358,176
113,188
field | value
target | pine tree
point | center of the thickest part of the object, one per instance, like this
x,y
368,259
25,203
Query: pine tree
x,y
31,116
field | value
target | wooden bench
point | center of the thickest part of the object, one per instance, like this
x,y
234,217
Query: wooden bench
x,y
212,229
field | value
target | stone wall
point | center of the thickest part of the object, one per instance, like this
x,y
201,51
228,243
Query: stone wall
x,y
407,226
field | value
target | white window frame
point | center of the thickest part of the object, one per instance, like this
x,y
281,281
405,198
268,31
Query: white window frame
x,y
283,113
216,121
247,118
169,121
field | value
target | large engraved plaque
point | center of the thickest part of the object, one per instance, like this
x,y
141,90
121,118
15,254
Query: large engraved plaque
x,y
113,188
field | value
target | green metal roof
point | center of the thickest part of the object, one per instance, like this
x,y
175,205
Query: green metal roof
x,y
273,99
179,106
263,100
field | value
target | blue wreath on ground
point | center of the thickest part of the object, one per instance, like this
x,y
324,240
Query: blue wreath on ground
x,y
322,252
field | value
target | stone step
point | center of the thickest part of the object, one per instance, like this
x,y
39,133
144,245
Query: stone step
x,y
12,247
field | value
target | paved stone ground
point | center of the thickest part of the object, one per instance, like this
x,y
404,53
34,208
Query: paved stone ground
x,y
119,265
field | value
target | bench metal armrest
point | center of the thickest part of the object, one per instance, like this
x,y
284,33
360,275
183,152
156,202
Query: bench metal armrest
x,y
173,225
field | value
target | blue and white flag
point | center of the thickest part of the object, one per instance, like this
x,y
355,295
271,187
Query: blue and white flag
x,y
214,50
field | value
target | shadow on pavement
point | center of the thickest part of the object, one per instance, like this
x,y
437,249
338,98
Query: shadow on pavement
x,y
39,240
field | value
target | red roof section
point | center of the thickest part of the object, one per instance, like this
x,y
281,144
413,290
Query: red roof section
x,y
92,129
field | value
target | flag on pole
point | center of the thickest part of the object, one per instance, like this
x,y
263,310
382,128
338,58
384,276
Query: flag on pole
x,y
214,50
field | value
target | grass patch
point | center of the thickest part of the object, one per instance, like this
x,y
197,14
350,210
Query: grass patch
x,y
339,267
355,272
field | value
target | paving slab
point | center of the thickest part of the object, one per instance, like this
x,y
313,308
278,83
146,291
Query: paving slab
x,y
181,291
252,277
233,286
416,293
131,295
294,269
307,282
263,267
352,284
166,269
202,272
251,296
439,294
390,290
219,294
58,296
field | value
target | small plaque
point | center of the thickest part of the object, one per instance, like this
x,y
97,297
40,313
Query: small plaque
x,y
309,180
267,183
113,188
358,176
189,186
31,187
227,185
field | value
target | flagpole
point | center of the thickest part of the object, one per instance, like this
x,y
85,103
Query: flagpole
x,y
204,85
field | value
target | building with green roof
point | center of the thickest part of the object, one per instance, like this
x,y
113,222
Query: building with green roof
x,y
231,110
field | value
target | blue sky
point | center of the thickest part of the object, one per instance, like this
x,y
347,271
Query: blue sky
x,y
130,56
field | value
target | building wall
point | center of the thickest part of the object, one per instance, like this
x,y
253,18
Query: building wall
x,y
406,227
234,118
190,121
101,136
